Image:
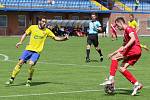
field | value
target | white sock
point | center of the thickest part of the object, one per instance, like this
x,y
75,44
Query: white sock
x,y
111,77
136,83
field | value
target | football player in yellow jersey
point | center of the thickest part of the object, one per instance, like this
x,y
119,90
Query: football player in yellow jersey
x,y
132,23
38,34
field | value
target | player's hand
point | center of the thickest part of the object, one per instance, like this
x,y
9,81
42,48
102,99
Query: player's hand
x,y
122,48
110,55
18,44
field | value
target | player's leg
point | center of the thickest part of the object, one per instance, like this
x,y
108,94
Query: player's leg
x,y
113,68
89,42
31,71
144,47
24,57
128,75
34,58
100,53
96,45
15,71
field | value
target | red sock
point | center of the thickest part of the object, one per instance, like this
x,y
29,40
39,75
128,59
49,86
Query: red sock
x,y
129,76
113,67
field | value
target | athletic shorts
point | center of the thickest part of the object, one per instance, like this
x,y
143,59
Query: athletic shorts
x,y
132,55
92,39
29,55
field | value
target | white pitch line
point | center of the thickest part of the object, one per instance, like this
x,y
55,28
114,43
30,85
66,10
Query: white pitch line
x,y
67,64
52,93
48,93
77,65
61,64
5,57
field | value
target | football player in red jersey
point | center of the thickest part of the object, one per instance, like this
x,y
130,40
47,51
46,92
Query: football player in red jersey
x,y
129,52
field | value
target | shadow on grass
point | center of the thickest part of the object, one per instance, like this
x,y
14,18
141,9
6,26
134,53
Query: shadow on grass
x,y
94,60
122,92
37,83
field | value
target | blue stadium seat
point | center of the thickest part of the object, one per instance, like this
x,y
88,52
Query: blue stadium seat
x,y
143,6
71,4
74,4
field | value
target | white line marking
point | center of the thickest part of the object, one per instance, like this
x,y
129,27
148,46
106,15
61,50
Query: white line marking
x,y
48,93
64,64
77,65
5,57
52,93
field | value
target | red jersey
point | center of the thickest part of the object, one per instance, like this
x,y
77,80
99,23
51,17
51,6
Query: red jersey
x,y
127,38
133,52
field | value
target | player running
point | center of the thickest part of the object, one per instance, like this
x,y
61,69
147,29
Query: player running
x,y
129,52
113,32
92,38
38,34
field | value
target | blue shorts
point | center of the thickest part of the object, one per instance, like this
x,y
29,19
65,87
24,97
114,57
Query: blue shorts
x,y
29,55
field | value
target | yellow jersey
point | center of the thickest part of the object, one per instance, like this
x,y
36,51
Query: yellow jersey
x,y
37,38
133,24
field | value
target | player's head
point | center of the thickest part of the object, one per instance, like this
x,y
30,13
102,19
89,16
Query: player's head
x,y
42,22
131,17
120,23
93,16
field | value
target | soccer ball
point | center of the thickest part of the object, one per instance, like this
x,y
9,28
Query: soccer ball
x,y
109,89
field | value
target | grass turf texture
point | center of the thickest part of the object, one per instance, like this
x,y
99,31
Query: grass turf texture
x,y
62,73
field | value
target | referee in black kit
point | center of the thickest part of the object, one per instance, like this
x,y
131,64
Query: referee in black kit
x,y
92,37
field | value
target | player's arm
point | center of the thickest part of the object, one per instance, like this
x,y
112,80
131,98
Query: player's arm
x,y
27,32
118,50
56,38
99,28
61,38
21,40
131,41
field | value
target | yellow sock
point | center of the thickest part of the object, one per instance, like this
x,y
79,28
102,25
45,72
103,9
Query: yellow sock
x,y
16,70
31,71
144,46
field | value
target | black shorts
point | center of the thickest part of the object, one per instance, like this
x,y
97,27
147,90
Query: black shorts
x,y
92,39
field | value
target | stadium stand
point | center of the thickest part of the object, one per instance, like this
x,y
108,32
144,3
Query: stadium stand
x,y
104,5
143,5
59,4
127,5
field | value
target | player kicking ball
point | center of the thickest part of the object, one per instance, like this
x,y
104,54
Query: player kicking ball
x,y
38,34
129,53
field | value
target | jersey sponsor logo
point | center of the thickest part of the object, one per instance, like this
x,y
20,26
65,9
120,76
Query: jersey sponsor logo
x,y
38,37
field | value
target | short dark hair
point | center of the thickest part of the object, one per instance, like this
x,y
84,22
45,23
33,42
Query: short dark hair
x,y
42,17
93,13
120,19
131,15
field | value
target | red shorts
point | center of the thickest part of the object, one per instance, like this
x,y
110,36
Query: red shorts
x,y
132,55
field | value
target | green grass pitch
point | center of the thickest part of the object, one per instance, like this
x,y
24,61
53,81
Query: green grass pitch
x,y
62,74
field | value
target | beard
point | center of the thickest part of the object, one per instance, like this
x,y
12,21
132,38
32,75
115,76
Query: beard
x,y
42,26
